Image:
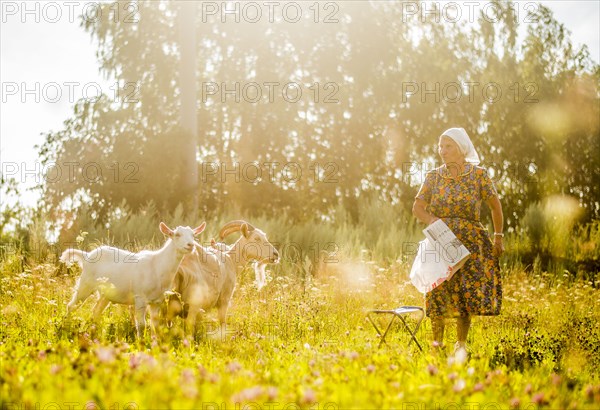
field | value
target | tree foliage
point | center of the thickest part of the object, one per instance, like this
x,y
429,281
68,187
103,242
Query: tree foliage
x,y
378,87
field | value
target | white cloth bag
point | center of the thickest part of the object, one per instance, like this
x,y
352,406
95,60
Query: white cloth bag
x,y
429,270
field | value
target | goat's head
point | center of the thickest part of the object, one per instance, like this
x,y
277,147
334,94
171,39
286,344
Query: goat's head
x,y
253,243
182,236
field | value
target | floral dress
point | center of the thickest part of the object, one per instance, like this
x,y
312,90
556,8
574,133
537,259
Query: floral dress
x,y
476,288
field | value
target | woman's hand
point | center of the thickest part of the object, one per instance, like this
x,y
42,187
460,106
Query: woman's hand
x,y
498,249
420,212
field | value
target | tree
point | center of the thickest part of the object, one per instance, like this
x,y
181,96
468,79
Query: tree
x,y
312,115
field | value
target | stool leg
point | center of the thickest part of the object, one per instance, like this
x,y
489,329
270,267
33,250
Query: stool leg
x,y
386,331
377,329
412,335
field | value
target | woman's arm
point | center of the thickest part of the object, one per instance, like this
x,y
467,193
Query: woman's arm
x,y
420,212
498,222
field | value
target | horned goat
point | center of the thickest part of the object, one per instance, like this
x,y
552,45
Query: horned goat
x,y
206,277
124,277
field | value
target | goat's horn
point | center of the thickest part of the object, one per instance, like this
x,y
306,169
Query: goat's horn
x,y
233,226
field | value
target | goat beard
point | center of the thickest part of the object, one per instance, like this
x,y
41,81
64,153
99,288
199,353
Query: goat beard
x,y
260,274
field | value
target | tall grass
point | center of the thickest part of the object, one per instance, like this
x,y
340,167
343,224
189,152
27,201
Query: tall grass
x,y
300,342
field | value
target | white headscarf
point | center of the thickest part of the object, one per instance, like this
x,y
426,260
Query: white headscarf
x,y
460,136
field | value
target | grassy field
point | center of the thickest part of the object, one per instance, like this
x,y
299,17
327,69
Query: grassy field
x,y
301,342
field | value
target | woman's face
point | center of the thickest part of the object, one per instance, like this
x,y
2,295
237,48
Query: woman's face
x,y
449,151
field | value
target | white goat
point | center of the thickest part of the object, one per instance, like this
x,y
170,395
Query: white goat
x,y
138,279
206,277
259,267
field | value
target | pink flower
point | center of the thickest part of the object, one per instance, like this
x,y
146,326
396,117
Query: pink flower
x,y
233,367
187,376
247,395
515,403
538,398
309,397
105,355
478,387
134,361
371,368
272,393
459,385
556,379
432,370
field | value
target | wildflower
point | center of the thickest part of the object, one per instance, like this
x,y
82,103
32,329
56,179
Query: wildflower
x,y
187,376
459,385
105,355
528,388
370,368
539,399
55,369
309,397
556,379
248,395
354,355
233,367
452,376
432,370
515,403
478,387
272,393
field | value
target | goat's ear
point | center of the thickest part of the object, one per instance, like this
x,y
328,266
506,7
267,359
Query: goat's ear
x,y
165,229
198,230
244,230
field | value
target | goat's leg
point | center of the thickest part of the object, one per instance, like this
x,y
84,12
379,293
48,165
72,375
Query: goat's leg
x,y
81,293
140,316
222,314
99,308
154,319
190,322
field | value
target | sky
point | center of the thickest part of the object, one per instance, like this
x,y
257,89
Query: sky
x,y
47,63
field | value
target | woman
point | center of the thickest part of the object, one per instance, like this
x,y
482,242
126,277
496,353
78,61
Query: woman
x,y
454,192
